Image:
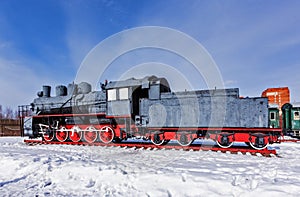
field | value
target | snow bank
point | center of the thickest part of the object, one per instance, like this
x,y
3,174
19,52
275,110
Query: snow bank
x,y
64,170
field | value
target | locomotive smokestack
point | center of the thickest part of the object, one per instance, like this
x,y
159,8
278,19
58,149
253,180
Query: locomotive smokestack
x,y
46,91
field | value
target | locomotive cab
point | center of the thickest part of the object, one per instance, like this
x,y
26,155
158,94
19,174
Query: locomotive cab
x,y
123,97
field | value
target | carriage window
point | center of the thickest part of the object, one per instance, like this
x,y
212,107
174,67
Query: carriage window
x,y
296,115
123,93
111,95
272,116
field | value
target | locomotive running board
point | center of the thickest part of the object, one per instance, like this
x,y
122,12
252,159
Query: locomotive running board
x,y
233,150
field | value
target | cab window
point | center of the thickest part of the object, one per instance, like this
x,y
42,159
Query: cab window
x,y
123,93
111,95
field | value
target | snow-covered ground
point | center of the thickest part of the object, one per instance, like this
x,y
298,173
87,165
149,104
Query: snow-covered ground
x,y
64,170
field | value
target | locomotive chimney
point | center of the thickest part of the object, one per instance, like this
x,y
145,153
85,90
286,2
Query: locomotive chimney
x,y
46,91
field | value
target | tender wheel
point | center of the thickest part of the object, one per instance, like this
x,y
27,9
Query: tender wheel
x,y
90,134
75,134
157,140
106,134
258,147
259,142
223,140
224,145
184,140
48,135
62,134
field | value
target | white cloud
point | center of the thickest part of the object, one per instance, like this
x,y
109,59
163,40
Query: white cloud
x,y
4,45
80,30
230,82
20,76
18,83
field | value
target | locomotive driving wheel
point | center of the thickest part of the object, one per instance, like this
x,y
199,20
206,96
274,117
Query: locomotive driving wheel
x,y
224,140
90,134
48,135
258,141
157,139
75,134
106,134
62,134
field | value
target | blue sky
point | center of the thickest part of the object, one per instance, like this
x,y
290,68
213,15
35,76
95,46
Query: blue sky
x,y
256,44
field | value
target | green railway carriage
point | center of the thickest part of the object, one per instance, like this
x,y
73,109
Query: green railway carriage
x,y
291,119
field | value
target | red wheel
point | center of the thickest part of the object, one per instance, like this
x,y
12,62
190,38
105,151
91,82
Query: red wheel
x,y
106,134
259,141
157,139
90,134
62,134
75,134
48,135
224,140
185,140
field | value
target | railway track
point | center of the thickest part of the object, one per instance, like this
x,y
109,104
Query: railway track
x,y
143,145
290,140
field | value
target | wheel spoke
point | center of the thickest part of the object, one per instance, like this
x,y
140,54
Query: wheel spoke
x,y
48,135
62,134
106,134
75,134
90,134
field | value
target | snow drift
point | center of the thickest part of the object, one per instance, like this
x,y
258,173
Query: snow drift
x,y
64,170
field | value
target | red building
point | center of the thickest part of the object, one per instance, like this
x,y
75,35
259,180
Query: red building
x,y
278,96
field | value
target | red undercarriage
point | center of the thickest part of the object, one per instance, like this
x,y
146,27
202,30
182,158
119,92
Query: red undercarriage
x,y
233,150
257,138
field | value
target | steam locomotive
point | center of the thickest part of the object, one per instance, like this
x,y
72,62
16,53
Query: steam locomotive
x,y
147,108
